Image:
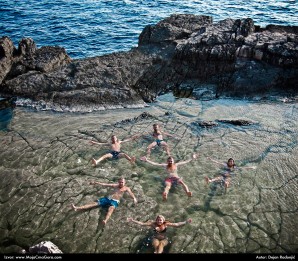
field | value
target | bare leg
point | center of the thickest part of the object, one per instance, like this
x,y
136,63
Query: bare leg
x,y
215,179
132,160
161,246
91,205
227,183
106,156
166,147
155,244
149,148
185,187
108,215
207,180
166,190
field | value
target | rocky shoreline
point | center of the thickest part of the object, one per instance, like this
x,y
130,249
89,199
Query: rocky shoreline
x,y
187,54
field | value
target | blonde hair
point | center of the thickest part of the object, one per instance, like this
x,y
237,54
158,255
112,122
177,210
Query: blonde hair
x,y
162,217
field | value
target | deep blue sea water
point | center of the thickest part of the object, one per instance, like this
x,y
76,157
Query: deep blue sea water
x,y
87,28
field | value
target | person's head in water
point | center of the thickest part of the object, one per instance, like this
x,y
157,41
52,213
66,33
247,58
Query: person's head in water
x,y
170,161
231,163
121,182
160,219
114,138
155,127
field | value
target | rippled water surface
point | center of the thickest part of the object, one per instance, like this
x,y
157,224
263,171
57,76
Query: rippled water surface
x,y
87,28
47,159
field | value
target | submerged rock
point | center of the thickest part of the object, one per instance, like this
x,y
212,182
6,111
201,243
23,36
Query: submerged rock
x,y
45,247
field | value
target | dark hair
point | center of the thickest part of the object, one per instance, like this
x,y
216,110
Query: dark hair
x,y
232,160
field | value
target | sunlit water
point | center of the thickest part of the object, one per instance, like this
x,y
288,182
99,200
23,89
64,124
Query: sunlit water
x,y
257,214
45,157
87,28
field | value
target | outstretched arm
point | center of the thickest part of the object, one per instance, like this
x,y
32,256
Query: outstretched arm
x,y
251,167
180,224
98,143
131,138
132,195
103,184
170,135
194,156
215,161
152,162
148,223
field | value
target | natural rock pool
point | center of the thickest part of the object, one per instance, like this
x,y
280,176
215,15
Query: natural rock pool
x,y
45,166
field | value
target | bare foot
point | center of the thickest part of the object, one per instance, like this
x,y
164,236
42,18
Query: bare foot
x,y
104,222
73,207
94,163
207,180
164,196
189,193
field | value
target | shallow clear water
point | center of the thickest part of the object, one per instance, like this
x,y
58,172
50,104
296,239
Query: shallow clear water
x,y
47,158
87,28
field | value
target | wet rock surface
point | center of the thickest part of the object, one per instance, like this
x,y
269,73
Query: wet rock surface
x,y
45,167
187,54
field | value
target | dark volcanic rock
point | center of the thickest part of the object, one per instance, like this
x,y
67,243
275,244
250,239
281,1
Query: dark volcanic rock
x,y
187,54
237,122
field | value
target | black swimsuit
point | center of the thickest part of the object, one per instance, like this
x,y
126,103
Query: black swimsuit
x,y
115,154
160,235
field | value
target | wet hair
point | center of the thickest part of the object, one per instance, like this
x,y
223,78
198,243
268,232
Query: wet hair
x,y
121,178
162,217
231,159
114,136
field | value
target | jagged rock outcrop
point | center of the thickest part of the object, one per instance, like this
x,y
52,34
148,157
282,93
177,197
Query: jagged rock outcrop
x,y
182,53
45,247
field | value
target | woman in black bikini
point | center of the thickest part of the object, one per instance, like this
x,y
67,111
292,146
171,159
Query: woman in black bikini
x,y
159,238
228,168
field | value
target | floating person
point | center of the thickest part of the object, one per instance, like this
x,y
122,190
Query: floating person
x,y
159,238
158,136
115,152
112,201
173,178
225,176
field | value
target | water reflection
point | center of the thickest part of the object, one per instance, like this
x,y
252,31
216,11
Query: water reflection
x,y
6,112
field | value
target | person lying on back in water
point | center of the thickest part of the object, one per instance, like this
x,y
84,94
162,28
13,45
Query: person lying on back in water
x,y
229,167
112,201
159,239
158,136
115,152
173,178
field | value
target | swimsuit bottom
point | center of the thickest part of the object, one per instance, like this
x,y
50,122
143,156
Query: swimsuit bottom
x,y
115,154
107,202
173,180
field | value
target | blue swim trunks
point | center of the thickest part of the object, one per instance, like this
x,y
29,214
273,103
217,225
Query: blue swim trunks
x,y
115,154
107,202
158,142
